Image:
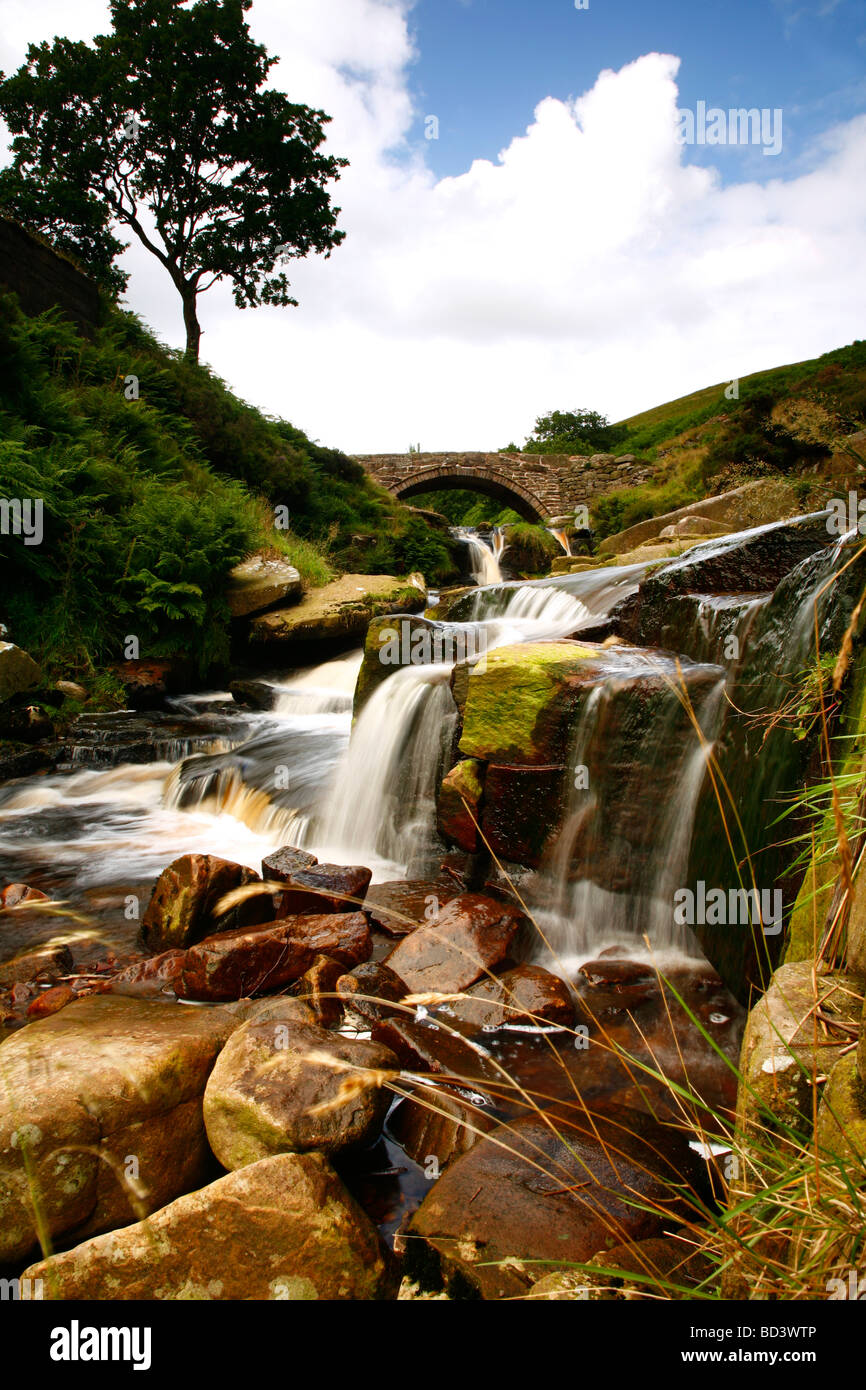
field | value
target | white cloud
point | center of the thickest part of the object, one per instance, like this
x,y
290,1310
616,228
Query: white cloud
x,y
589,266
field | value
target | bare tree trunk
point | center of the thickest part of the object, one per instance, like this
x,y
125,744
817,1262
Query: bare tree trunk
x,y
192,325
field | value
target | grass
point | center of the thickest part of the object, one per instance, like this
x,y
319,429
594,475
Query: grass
x,y
155,480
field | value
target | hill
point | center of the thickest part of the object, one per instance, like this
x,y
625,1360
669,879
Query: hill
x,y
154,481
785,421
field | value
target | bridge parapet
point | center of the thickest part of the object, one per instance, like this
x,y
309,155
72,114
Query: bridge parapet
x,y
538,486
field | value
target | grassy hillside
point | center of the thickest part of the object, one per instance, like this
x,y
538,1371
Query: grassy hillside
x,y
786,420
149,501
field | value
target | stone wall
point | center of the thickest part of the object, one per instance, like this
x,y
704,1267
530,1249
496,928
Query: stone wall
x,y
42,278
539,486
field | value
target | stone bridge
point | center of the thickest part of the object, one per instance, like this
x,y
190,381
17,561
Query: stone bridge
x,y
538,487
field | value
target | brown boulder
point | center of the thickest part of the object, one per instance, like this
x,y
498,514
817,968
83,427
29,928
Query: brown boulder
x,y
528,994
459,804
236,964
527,1193
440,1123
469,936
370,989
399,906
285,862
317,987
430,1047
181,908
324,888
285,1086
284,1228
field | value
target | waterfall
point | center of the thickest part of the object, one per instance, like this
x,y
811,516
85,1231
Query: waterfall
x,y
483,563
381,808
664,765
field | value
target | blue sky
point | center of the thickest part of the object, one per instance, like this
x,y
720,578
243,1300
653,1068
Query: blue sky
x,y
557,247
483,65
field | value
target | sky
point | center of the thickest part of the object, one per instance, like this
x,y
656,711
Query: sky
x,y
526,228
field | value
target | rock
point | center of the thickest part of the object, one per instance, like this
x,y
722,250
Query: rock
x,y
256,694
522,701
14,894
317,987
524,1194
460,794
523,809
528,994
18,671
47,963
324,888
248,961
146,683
398,907
50,1001
438,1048
779,1057
441,1123
286,862
407,640
470,935
181,908
341,609
284,1228
753,562
83,1090
369,988
150,977
841,1128
754,504
692,528
260,583
284,1086
661,1267
71,690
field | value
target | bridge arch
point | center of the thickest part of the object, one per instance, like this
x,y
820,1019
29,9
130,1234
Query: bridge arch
x,y
527,486
488,483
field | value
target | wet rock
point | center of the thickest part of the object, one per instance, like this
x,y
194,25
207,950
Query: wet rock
x,y
240,963
693,528
339,610
436,1048
260,583
317,987
101,1080
441,1124
661,1267
521,701
50,1001
284,1228
526,1194
150,977
751,562
16,893
18,671
254,694
286,862
324,888
405,640
527,994
181,910
146,683
462,788
369,988
470,935
285,1086
398,907
523,809
47,963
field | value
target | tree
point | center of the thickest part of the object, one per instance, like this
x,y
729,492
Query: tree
x,y
573,432
164,127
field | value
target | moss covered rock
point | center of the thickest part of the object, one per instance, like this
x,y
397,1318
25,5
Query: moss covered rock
x,y
841,1128
462,787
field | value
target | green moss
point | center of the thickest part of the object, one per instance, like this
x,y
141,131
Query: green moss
x,y
517,706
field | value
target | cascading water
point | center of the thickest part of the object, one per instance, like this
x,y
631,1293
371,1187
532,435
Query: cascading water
x,y
483,558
